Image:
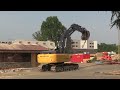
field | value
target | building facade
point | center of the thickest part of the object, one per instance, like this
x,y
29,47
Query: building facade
x,y
47,44
76,44
20,51
84,45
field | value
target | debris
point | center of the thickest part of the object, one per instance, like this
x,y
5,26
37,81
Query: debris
x,y
15,70
110,73
98,62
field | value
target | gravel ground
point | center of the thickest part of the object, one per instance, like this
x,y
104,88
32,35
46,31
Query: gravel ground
x,y
86,71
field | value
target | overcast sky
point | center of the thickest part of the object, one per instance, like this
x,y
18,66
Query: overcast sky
x,y
22,24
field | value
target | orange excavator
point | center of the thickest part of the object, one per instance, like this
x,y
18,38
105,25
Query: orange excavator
x,y
60,61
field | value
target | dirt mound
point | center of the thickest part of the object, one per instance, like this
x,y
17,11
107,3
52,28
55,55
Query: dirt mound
x,y
99,55
115,57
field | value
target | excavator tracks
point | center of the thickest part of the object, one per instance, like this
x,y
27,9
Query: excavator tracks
x,y
60,67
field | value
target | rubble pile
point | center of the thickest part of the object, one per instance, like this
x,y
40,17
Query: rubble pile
x,y
7,65
110,73
116,57
98,55
113,73
11,70
14,66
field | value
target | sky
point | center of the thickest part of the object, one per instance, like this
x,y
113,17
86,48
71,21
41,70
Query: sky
x,y
21,25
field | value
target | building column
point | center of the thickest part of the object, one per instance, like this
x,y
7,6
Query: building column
x,y
34,62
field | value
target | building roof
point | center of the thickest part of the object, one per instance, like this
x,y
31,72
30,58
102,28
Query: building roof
x,y
19,48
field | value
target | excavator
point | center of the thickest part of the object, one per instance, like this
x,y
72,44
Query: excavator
x,y
59,61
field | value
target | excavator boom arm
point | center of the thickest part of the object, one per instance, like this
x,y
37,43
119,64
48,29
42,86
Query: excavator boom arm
x,y
67,33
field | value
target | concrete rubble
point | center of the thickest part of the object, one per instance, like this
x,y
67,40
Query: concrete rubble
x,y
115,57
15,70
7,65
117,72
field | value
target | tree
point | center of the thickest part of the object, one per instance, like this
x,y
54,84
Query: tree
x,y
116,16
51,29
107,47
37,35
115,21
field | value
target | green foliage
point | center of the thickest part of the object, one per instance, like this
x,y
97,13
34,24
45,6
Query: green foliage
x,y
115,19
107,47
51,29
118,49
37,35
